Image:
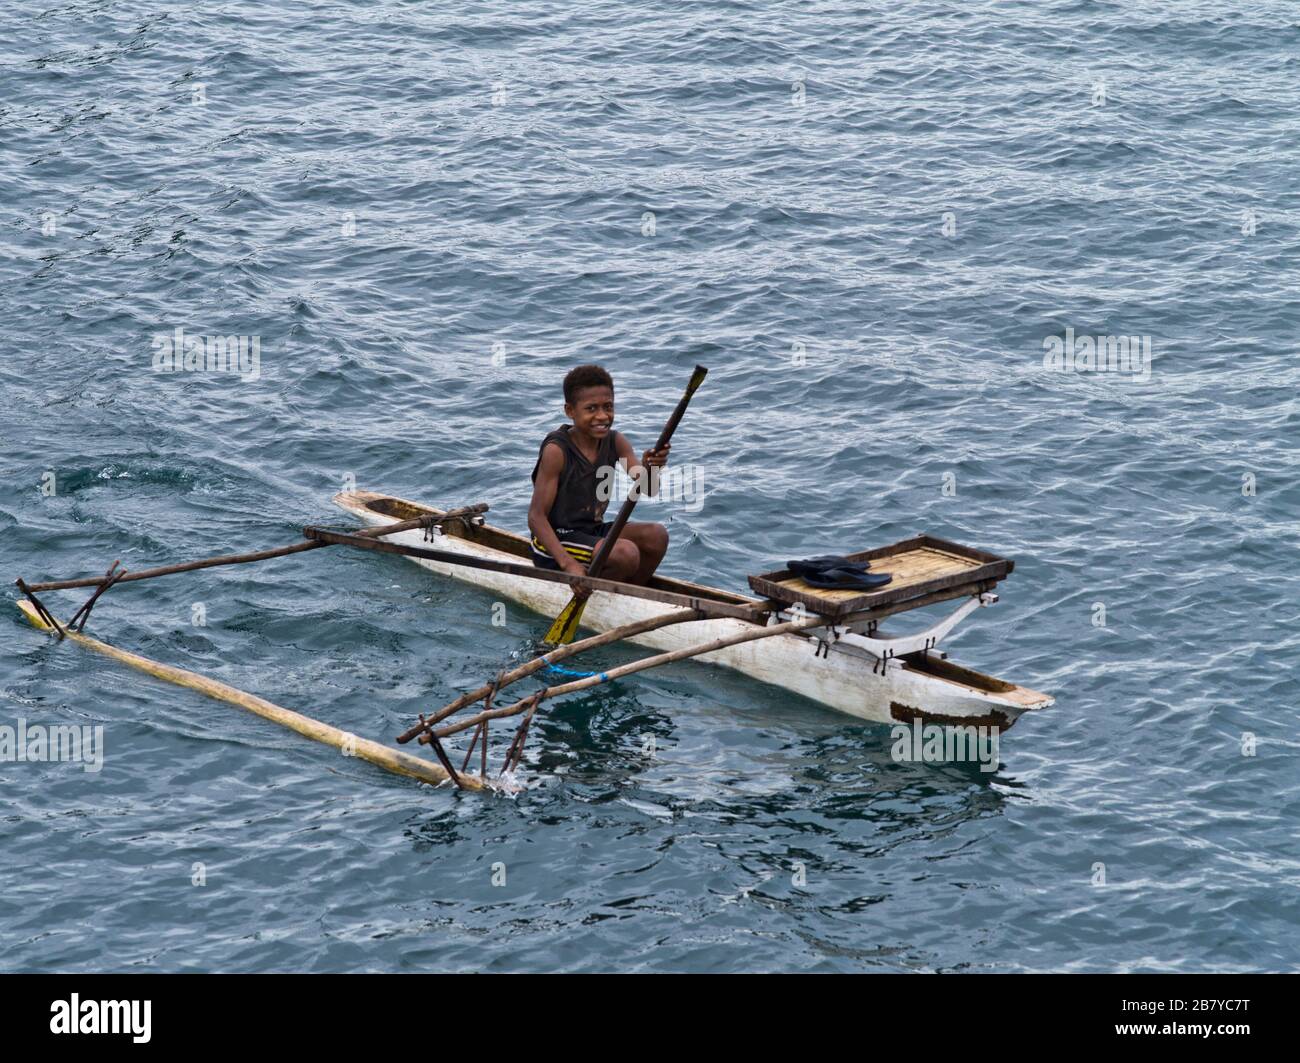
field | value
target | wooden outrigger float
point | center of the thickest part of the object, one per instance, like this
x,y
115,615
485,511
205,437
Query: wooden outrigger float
x,y
348,744
825,645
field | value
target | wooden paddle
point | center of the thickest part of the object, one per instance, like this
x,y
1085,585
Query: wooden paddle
x,y
566,624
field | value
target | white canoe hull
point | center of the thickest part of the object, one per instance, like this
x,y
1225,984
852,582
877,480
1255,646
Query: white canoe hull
x,y
842,677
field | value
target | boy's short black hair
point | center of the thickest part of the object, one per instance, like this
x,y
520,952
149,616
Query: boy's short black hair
x,y
585,376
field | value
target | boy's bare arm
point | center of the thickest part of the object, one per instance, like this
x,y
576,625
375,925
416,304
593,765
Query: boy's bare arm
x,y
633,467
547,483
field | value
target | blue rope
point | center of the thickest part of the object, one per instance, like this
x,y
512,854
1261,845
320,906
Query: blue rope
x,y
569,671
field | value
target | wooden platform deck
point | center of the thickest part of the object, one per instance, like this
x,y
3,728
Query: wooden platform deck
x,y
925,570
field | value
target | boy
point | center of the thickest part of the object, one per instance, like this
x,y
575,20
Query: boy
x,y
574,470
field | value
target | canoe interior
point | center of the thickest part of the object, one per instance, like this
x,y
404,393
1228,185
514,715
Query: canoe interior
x,y
936,667
509,543
921,567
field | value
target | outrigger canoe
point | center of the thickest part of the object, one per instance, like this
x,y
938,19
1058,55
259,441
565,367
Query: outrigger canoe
x,y
823,644
850,664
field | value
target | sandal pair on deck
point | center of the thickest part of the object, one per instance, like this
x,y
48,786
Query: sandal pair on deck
x,y
832,572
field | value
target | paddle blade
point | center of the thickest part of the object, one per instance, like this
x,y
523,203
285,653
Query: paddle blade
x,y
566,624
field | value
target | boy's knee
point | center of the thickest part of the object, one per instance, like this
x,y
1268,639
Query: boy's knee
x,y
625,554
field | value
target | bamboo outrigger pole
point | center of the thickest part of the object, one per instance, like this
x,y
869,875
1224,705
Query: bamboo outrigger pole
x,y
258,555
530,703
626,631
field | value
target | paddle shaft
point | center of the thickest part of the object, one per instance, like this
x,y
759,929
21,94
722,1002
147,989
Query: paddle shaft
x,y
620,522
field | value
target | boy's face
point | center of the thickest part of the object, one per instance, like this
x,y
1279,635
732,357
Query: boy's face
x,y
592,411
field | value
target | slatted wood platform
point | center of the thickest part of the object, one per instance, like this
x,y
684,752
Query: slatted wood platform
x,y
925,570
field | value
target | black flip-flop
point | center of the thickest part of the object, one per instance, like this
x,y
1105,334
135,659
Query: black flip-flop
x,y
845,579
816,565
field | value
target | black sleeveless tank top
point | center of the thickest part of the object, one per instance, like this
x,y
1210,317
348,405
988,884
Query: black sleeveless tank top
x,y
578,505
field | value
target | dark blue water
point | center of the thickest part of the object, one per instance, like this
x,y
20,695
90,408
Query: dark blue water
x,y
868,219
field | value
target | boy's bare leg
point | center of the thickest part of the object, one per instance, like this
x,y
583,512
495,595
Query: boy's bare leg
x,y
651,541
624,560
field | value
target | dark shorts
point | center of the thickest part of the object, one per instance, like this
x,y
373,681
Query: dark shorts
x,y
577,544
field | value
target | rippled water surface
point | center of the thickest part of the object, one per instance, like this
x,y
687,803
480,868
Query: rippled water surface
x,y
867,219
